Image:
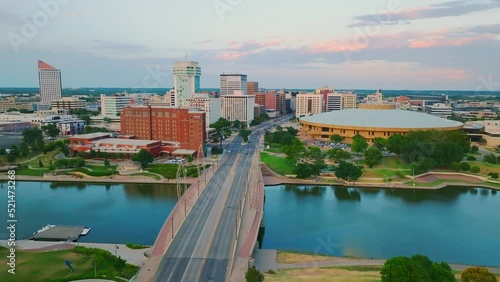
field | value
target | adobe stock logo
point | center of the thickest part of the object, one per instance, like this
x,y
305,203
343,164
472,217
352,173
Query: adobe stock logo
x,y
49,9
487,84
223,6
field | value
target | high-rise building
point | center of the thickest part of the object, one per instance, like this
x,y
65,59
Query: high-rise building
x,y
333,102
211,106
69,103
308,104
238,107
281,102
180,127
49,79
252,88
229,83
112,105
186,80
349,100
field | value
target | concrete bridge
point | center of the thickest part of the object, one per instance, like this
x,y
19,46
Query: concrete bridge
x,y
212,231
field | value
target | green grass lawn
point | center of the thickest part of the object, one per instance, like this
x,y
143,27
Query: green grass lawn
x,y
277,164
389,162
170,170
31,172
50,266
384,172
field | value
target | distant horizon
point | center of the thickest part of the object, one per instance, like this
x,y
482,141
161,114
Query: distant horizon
x,y
278,88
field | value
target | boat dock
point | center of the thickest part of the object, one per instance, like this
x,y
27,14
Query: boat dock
x,y
60,233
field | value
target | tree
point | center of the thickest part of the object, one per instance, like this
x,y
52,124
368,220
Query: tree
x,y
336,138
24,149
304,170
51,130
106,163
33,137
359,144
373,156
465,166
418,268
395,143
475,169
474,149
348,171
86,118
244,133
40,163
254,275
478,274
442,272
338,154
143,157
189,158
380,143
216,150
107,119
292,151
314,153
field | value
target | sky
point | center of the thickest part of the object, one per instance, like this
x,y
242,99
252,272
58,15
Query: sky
x,y
387,44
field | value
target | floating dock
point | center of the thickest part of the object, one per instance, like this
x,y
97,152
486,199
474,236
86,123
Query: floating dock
x,y
60,233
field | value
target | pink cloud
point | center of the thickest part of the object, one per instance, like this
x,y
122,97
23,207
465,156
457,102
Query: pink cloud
x,y
452,42
229,56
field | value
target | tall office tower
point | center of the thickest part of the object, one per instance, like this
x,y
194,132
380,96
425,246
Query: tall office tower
x,y
186,81
49,79
229,83
252,87
308,104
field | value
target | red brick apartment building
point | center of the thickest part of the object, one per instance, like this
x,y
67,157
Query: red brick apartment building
x,y
181,128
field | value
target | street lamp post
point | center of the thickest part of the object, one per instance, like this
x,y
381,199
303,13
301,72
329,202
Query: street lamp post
x,y
413,172
173,227
185,213
235,229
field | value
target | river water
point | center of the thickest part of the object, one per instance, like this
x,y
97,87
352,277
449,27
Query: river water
x,y
456,225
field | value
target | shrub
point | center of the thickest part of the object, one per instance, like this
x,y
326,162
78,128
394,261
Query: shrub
x,y
465,166
254,275
471,158
478,274
474,149
455,166
493,175
475,169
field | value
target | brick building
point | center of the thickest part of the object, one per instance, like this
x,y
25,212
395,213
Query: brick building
x,y
179,128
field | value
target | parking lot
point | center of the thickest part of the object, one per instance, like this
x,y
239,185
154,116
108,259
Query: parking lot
x,y
329,145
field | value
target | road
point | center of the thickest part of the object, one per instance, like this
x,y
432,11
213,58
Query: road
x,y
203,247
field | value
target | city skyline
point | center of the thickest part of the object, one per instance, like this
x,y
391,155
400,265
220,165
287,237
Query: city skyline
x,y
448,45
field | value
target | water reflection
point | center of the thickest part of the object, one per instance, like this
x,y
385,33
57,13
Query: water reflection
x,y
304,191
447,224
151,191
132,190
346,194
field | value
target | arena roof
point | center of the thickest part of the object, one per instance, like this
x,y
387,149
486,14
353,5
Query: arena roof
x,y
380,119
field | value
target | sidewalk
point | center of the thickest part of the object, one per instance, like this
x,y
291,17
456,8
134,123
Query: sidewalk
x,y
132,256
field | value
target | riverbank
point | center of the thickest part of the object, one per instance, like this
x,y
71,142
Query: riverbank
x,y
287,266
118,179
439,180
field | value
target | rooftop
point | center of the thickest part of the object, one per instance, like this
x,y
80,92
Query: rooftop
x,y
93,135
381,118
134,142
